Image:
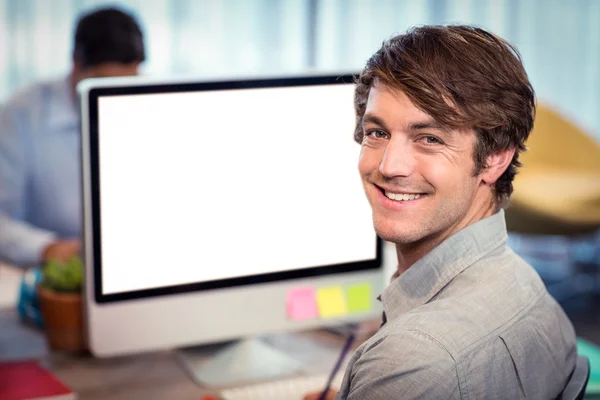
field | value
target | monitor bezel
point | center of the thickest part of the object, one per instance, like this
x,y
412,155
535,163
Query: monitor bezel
x,y
91,100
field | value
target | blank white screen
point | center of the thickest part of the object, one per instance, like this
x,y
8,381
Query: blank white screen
x,y
199,186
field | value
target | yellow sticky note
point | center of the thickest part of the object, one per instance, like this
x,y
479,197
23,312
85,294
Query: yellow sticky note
x,y
331,302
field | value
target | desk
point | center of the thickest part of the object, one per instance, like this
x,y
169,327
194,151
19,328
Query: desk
x,y
149,376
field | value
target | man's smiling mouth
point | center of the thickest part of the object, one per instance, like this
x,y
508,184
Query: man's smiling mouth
x,y
402,196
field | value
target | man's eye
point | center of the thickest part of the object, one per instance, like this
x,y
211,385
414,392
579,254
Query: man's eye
x,y
432,140
378,134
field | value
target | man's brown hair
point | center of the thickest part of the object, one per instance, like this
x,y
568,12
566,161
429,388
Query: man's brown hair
x,y
464,77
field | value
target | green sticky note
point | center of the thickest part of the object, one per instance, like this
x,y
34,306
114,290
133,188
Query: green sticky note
x,y
359,297
331,302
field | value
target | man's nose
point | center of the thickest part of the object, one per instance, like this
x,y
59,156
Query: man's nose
x,y
398,158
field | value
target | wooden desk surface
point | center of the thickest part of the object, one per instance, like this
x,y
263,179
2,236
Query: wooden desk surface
x,y
148,376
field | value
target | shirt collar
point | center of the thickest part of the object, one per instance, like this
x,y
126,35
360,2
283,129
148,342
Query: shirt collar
x,y
62,106
424,279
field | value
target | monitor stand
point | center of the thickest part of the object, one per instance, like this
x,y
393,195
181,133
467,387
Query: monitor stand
x,y
236,363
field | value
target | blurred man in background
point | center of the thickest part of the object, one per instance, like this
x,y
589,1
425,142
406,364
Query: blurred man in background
x,y
40,184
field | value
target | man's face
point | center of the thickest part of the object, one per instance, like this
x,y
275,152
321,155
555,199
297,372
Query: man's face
x,y
417,175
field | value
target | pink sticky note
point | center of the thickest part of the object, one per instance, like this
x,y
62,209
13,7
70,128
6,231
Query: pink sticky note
x,y
301,303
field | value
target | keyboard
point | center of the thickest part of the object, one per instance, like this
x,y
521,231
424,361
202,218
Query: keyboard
x,y
294,388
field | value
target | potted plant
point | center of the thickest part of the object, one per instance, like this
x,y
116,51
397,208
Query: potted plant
x,y
61,307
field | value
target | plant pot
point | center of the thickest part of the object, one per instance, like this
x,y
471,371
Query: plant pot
x,y
62,315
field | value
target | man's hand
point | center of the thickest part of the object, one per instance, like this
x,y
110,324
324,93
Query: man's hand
x,y
61,250
315,396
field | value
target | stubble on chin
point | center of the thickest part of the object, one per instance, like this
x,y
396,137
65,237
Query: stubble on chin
x,y
394,232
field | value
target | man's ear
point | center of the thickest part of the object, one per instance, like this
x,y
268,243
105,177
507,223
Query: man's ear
x,y
496,165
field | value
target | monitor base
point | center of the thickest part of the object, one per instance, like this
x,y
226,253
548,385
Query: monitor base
x,y
245,361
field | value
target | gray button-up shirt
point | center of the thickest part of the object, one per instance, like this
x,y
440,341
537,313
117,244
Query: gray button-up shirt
x,y
470,320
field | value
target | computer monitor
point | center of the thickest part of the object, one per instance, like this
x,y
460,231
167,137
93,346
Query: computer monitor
x,y
222,209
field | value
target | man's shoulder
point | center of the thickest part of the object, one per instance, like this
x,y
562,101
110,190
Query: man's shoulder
x,y
405,342
403,362
498,309
489,297
455,348
32,94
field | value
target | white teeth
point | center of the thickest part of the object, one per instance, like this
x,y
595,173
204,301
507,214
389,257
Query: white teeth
x,y
401,196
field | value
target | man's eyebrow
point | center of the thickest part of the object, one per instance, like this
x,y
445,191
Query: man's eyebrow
x,y
374,119
428,124
413,126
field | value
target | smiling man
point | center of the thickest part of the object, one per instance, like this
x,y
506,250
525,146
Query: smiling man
x,y
442,114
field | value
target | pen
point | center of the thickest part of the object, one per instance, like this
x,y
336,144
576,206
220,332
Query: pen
x,y
337,366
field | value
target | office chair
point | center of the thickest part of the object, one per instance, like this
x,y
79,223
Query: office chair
x,y
575,389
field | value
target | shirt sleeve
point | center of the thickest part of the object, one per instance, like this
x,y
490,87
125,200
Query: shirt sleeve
x,y
404,365
21,243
